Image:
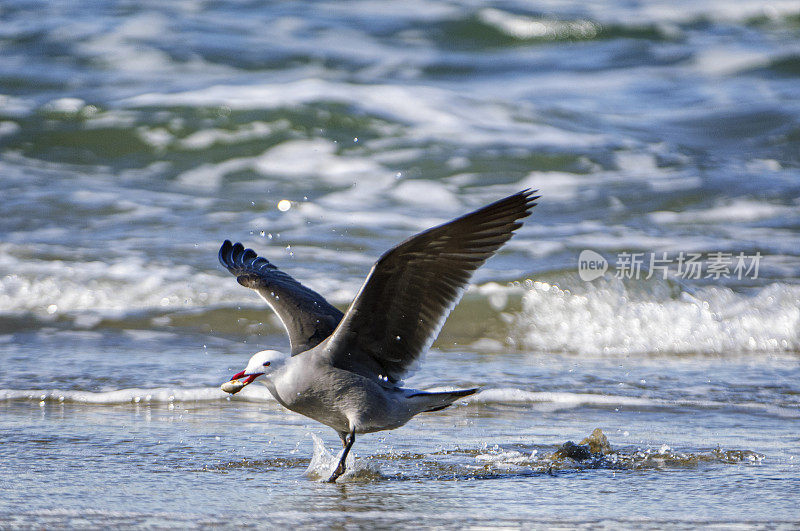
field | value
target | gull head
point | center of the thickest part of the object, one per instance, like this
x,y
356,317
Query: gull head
x,y
260,363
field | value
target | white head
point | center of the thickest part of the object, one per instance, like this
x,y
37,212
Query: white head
x,y
264,362
260,363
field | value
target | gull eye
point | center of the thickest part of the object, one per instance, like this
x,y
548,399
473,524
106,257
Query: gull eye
x,y
266,364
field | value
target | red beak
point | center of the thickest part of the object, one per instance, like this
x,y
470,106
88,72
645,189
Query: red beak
x,y
249,378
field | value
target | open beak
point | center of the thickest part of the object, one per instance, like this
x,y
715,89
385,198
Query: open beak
x,y
249,379
235,384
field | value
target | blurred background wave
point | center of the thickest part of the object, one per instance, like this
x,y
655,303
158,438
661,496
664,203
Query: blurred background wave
x,y
135,136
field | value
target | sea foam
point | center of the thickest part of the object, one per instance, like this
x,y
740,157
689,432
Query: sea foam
x,y
613,318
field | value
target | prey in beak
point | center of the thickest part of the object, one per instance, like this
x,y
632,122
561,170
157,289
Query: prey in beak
x,y
261,363
236,384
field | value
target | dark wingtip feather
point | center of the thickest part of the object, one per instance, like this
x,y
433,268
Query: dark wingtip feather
x,y
235,257
224,253
307,316
530,199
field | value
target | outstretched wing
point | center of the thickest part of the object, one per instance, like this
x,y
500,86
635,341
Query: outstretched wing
x,y
306,315
413,287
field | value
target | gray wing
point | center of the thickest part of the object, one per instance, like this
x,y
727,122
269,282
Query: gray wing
x,y
306,315
413,287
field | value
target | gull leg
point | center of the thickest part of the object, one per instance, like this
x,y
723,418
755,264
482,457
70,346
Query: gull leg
x,y
347,441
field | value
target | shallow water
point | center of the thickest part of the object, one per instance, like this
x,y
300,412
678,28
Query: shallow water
x,y
134,138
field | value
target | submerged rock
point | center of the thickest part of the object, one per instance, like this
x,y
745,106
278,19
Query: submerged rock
x,y
595,445
597,442
578,452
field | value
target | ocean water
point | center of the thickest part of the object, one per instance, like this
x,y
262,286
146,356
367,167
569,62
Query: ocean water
x,y
136,136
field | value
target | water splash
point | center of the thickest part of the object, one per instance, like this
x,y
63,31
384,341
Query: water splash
x,y
323,462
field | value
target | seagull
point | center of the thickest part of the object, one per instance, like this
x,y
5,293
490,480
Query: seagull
x,y
346,370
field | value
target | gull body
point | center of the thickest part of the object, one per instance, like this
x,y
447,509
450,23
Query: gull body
x,y
345,370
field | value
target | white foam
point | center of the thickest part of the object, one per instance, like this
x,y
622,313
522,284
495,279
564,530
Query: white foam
x,y
65,105
93,198
639,164
158,395
429,194
764,165
726,60
8,127
563,400
428,112
559,186
737,210
606,317
613,238
633,162
681,11
119,285
111,119
316,158
158,137
16,106
123,47
210,176
206,138
524,27
499,457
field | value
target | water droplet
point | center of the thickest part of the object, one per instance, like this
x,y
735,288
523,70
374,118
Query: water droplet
x,y
355,140
284,205
53,308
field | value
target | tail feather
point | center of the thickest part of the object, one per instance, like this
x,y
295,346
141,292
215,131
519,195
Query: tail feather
x,y
439,400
